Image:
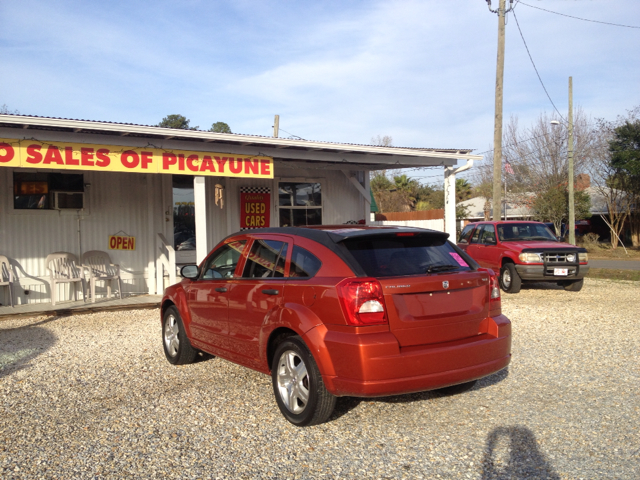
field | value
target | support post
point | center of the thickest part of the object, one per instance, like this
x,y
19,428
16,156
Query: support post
x,y
572,212
497,129
200,199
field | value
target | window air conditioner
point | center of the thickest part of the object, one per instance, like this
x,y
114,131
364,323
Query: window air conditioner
x,y
66,200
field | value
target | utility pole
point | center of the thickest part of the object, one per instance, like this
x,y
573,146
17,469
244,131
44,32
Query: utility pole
x,y
497,129
276,126
572,211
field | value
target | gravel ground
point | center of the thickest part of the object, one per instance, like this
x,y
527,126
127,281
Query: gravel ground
x,y
93,396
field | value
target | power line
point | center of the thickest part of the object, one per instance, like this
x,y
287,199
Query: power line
x,y
578,18
535,68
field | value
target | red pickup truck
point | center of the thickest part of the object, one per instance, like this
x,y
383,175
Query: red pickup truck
x,y
525,251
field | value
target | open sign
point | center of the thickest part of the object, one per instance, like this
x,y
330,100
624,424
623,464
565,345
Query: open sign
x,y
118,242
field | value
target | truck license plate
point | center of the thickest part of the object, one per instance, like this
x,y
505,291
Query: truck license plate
x,y
561,271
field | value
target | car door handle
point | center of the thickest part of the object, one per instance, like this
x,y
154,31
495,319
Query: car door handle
x,y
270,292
221,289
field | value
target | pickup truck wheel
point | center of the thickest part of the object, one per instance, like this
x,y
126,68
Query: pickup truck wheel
x,y
574,286
509,278
177,347
298,385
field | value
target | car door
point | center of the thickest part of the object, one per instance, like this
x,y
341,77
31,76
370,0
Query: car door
x,y
256,295
473,246
487,251
465,236
207,297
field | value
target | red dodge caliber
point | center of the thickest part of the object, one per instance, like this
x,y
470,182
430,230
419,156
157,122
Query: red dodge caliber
x,y
340,311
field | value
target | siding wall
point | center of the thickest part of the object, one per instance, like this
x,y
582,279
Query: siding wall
x,y
135,204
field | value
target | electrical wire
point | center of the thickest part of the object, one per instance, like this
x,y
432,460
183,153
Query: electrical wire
x,y
578,18
536,68
291,135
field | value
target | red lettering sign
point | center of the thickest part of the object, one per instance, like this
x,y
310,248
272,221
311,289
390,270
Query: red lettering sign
x,y
6,152
255,207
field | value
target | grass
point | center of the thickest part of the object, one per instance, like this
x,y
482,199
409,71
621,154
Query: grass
x,y
614,274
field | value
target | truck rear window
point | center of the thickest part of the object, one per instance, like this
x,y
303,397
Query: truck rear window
x,y
387,256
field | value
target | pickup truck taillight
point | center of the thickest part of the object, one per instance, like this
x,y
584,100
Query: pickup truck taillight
x,y
362,302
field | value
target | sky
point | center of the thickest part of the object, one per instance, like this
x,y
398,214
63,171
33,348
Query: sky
x,y
422,72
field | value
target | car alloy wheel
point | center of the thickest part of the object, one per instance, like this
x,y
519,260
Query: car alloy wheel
x,y
293,382
298,386
177,347
171,338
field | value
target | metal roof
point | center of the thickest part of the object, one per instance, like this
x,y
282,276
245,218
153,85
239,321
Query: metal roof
x,y
366,156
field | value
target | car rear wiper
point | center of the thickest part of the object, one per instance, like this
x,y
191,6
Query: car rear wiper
x,y
441,268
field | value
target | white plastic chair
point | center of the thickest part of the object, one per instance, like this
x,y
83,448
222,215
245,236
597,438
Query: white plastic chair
x,y
100,268
63,268
6,276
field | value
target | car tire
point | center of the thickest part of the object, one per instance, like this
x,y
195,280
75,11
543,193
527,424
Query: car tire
x,y
177,347
509,279
456,389
298,385
574,286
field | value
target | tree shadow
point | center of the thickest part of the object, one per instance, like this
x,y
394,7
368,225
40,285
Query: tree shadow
x,y
22,344
345,404
513,453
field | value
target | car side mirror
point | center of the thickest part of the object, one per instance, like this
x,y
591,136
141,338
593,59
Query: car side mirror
x,y
189,271
490,241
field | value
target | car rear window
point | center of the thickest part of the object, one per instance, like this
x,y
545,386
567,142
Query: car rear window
x,y
303,263
411,255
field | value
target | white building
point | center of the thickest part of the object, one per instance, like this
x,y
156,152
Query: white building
x,y
154,198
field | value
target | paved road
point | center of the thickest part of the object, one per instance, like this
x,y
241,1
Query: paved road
x,y
615,264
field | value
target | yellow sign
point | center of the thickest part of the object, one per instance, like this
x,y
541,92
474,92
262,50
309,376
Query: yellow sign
x,y
117,242
111,158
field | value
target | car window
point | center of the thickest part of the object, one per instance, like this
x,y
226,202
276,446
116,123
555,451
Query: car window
x,y
466,233
476,234
303,263
266,259
388,256
488,235
514,232
222,263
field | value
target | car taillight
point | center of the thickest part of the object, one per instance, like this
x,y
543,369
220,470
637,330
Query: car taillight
x,y
495,304
362,302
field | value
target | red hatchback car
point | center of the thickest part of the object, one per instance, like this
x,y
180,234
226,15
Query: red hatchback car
x,y
340,311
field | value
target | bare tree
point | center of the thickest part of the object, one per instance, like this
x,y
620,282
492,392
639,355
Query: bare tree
x,y
384,141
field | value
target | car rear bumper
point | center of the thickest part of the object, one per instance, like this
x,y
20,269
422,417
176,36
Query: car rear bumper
x,y
374,365
537,273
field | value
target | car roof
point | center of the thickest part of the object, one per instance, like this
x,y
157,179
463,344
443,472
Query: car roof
x,y
332,236
339,233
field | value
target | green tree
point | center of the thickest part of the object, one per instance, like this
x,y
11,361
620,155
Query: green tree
x,y
552,205
624,149
220,127
463,190
176,121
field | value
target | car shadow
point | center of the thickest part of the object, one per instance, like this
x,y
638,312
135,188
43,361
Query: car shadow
x,y
22,344
345,404
513,453
541,286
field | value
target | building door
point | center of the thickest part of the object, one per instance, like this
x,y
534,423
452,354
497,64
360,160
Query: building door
x,y
184,219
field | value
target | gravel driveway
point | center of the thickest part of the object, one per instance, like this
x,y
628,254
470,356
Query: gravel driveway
x,y
93,396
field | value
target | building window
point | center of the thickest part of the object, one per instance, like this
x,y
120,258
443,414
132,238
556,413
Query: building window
x,y
299,204
47,191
